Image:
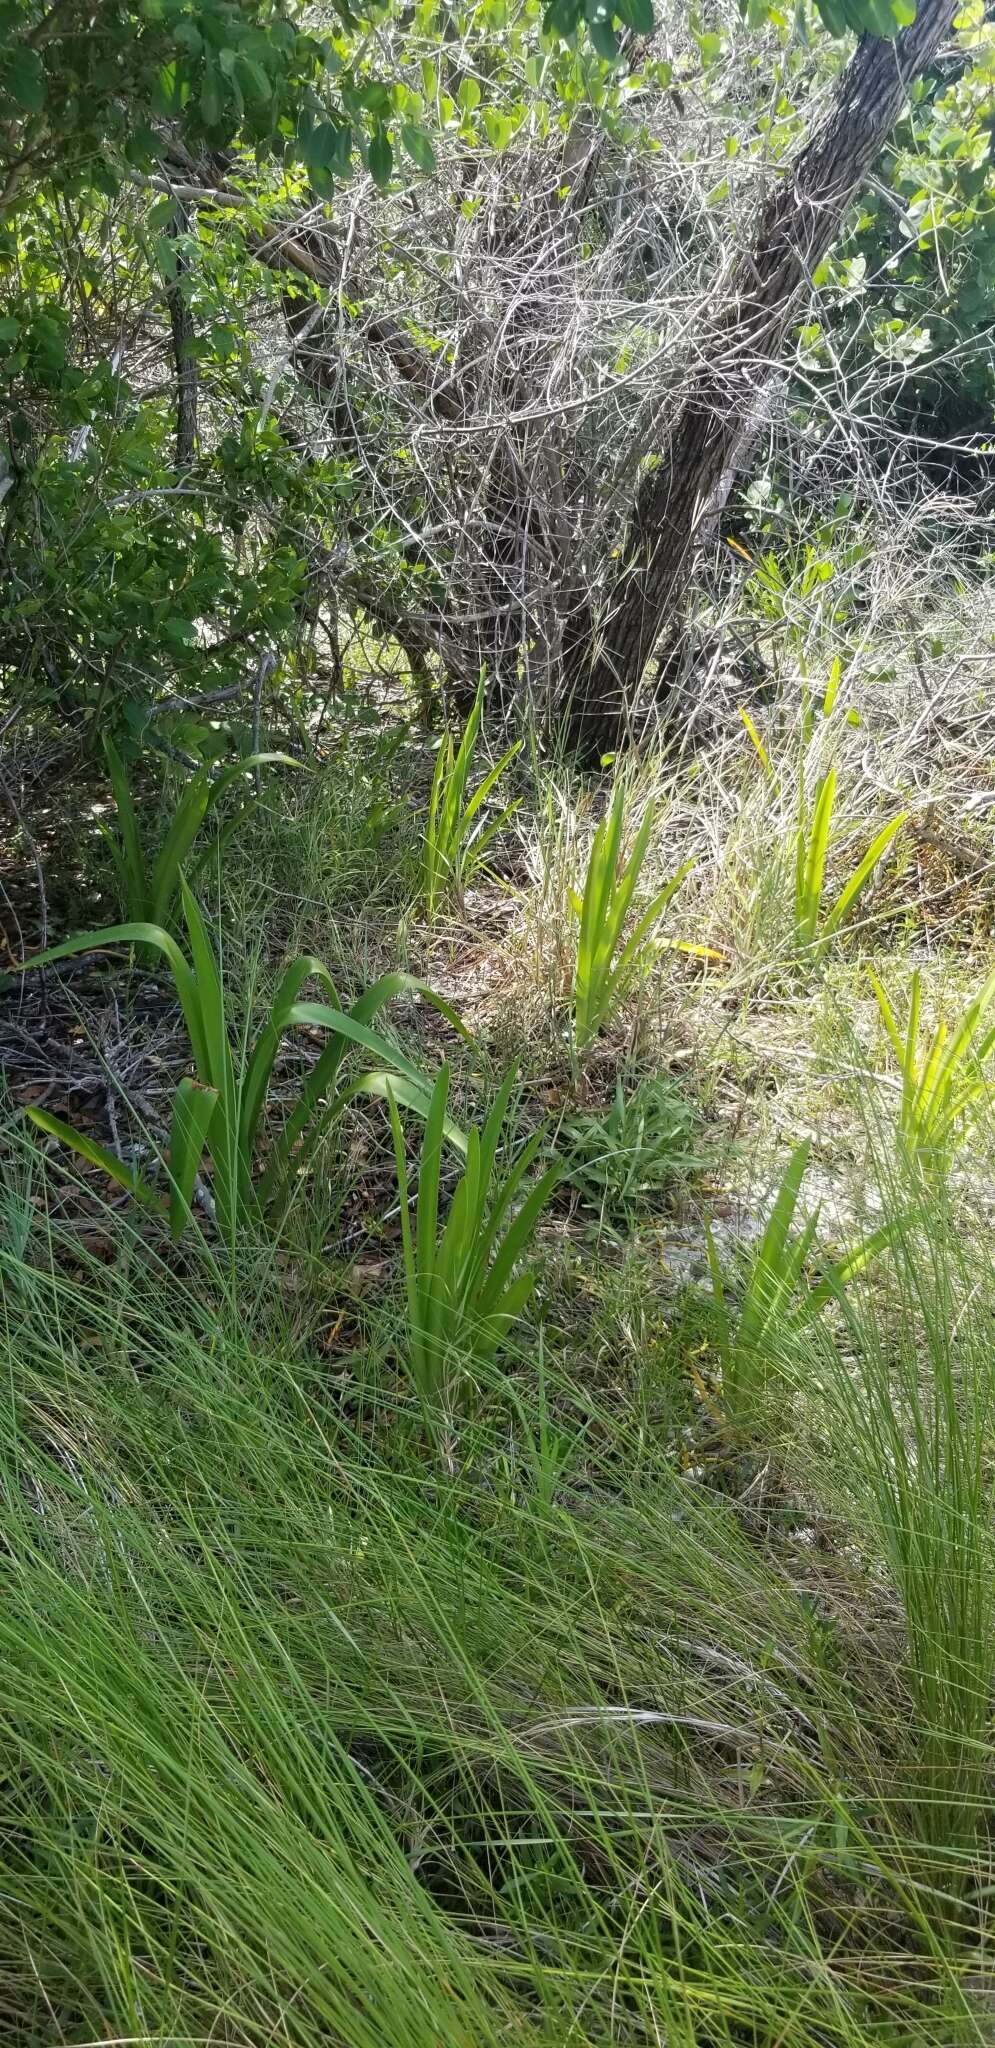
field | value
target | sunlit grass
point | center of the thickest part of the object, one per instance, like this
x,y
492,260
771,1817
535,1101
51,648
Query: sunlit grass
x,y
641,1716
318,1743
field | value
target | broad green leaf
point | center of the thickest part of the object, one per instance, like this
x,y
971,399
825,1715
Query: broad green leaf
x,y
638,14
380,157
418,144
95,1154
23,79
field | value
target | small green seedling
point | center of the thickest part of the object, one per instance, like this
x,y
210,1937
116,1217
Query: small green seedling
x,y
624,1161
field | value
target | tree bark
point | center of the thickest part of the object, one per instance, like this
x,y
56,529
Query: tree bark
x,y
184,359
612,644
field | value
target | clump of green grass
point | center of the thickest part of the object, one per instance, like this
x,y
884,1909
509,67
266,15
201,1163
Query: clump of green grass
x,y
943,1084
149,885
334,864
906,1375
464,1292
799,868
313,1744
458,833
816,922
221,1111
608,964
778,1297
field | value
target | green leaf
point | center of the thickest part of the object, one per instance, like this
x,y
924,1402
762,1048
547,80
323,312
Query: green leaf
x,y
104,178
193,1110
132,868
499,129
254,82
638,14
224,341
604,39
419,146
862,874
24,79
376,100
257,1075
321,148
182,632
137,932
428,1179
211,98
380,157
94,1154
562,17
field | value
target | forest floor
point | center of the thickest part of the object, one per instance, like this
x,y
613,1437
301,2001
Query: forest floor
x,y
642,1695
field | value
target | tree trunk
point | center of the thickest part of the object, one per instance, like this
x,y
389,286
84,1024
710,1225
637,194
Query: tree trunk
x,y
184,359
612,645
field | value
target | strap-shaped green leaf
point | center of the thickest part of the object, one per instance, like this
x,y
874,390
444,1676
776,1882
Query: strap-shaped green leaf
x,y
232,1169
131,863
518,1236
136,933
862,874
483,789
426,1233
846,1269
187,819
774,1258
815,858
193,1110
96,1155
307,967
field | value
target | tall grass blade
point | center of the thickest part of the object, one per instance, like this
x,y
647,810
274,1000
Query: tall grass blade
x,y
456,839
128,856
862,874
193,1112
815,858
605,967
